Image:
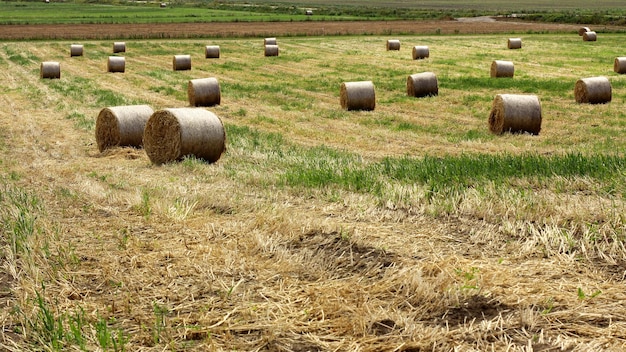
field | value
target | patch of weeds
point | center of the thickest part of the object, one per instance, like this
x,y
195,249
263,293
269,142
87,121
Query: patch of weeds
x,y
167,90
81,121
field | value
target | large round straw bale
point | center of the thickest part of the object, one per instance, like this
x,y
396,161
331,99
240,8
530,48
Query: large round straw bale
x,y
181,62
121,126
501,68
116,64
212,52
514,43
204,92
271,50
620,65
358,95
172,134
422,85
590,37
76,50
515,113
393,44
420,52
269,41
593,90
582,30
50,69
119,47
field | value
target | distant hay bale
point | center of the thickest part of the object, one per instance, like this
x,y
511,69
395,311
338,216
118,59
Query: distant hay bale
x,y
119,47
358,95
271,50
590,37
582,30
172,134
116,64
620,65
593,90
181,62
50,69
309,12
212,52
501,68
514,43
76,50
204,92
393,44
515,114
121,126
422,84
420,52
269,41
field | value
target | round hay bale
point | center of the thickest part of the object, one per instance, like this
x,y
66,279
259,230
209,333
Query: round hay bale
x,y
50,69
308,12
501,68
514,43
181,62
172,134
515,113
393,44
422,85
420,52
121,126
119,47
590,37
358,95
593,90
204,92
212,52
116,64
76,50
620,65
271,50
269,41
582,30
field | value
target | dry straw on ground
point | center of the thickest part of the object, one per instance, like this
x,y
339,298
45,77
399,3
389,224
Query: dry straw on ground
x,y
358,95
582,30
271,50
515,113
619,66
393,44
204,92
422,85
172,134
514,43
181,62
119,47
212,52
270,41
121,126
420,52
50,69
590,36
500,68
593,90
76,50
116,64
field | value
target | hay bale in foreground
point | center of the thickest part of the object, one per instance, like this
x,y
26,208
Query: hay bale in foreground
x,y
619,66
514,43
422,85
181,62
116,64
172,134
593,90
271,50
582,30
420,52
358,95
590,36
121,126
393,44
119,47
501,69
76,50
204,92
50,69
212,52
516,114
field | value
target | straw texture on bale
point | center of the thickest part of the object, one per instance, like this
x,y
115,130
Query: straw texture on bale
x,y
420,52
76,50
422,85
358,95
271,50
181,62
50,69
501,68
116,64
119,47
172,134
393,44
121,126
204,92
620,65
590,37
515,113
593,90
269,41
212,52
514,43
582,30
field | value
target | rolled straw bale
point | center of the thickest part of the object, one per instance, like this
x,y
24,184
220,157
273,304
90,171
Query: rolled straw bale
x,y
271,50
204,92
172,134
212,52
393,44
515,113
50,69
121,126
620,65
119,47
116,64
582,30
76,50
501,68
420,52
422,85
181,62
514,43
593,90
269,41
358,95
590,37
